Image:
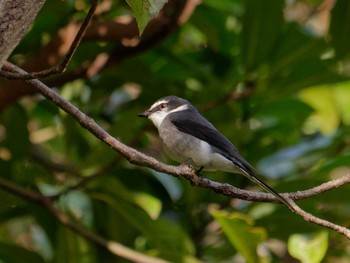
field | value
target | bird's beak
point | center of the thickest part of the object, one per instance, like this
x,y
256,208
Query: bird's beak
x,y
145,114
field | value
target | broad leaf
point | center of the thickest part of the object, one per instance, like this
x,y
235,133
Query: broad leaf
x,y
239,229
15,254
262,24
145,10
339,29
308,248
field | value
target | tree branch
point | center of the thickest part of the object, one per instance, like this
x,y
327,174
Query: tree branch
x,y
112,246
61,67
122,30
16,16
140,159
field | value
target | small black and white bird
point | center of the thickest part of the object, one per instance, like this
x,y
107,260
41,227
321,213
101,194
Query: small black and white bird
x,y
187,135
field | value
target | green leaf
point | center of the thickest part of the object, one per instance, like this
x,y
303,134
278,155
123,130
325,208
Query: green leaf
x,y
340,31
149,203
262,24
168,238
308,248
15,254
294,49
240,232
17,138
326,116
145,10
71,248
342,96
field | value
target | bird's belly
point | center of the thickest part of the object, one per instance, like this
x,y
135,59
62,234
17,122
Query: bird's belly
x,y
180,147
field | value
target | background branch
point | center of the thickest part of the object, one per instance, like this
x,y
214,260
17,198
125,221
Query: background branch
x,y
138,158
112,246
61,67
122,30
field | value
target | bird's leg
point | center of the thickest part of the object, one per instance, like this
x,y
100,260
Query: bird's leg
x,y
199,171
187,162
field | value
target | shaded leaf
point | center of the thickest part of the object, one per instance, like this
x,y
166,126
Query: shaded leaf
x,y
168,238
262,23
17,137
73,248
340,29
15,254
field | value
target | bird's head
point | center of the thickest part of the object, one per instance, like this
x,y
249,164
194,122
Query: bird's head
x,y
164,106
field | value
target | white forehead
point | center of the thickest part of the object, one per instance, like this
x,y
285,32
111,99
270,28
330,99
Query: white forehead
x,y
157,103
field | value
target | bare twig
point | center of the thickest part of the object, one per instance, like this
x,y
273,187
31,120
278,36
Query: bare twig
x,y
87,179
138,158
318,221
172,16
112,246
61,67
84,181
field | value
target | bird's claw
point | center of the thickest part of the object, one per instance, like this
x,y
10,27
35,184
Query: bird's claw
x,y
198,172
188,163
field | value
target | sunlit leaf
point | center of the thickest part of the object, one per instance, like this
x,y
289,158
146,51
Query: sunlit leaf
x,y
239,229
341,93
145,10
308,248
326,116
149,203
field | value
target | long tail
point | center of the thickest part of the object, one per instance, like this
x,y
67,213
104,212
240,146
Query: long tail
x,y
269,189
250,174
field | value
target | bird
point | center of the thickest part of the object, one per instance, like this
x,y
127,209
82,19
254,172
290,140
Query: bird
x,y
187,136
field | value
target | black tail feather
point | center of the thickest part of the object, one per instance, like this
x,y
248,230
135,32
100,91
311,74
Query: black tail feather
x,y
248,172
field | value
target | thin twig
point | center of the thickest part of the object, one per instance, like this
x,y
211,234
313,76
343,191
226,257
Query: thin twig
x,y
61,67
87,179
84,181
140,159
112,246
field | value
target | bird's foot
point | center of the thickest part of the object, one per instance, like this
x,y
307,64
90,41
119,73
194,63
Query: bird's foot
x,y
187,162
198,172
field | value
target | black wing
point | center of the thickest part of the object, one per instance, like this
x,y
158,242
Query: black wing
x,y
200,128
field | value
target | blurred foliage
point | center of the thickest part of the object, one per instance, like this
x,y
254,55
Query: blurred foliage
x,y
294,127
308,248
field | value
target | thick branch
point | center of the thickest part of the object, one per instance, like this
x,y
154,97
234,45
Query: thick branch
x,y
16,16
138,158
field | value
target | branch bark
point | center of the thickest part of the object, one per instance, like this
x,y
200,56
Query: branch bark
x,y
16,16
140,159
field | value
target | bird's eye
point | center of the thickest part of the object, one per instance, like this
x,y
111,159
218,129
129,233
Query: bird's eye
x,y
162,106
